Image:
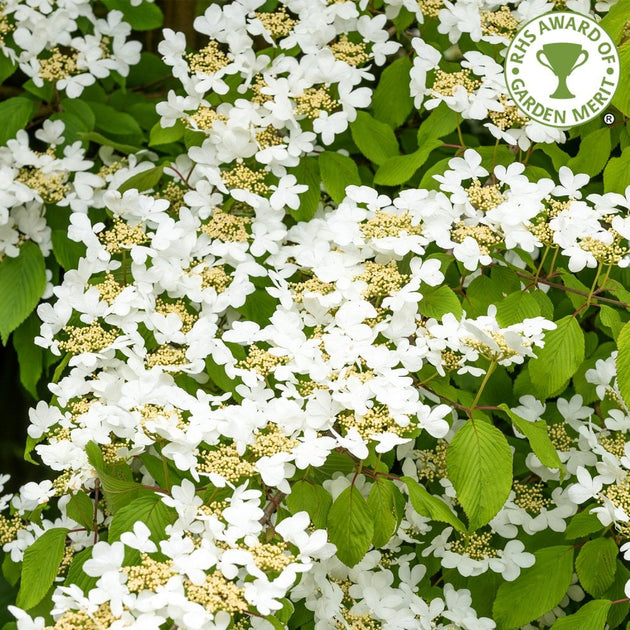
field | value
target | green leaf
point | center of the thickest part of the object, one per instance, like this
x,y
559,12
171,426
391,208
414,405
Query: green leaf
x,y
350,526
538,438
516,307
144,17
28,273
595,565
481,292
11,570
30,356
307,173
558,156
335,462
583,524
118,492
621,100
559,359
593,154
591,616
338,171
310,498
428,181
615,20
76,575
617,173
80,508
437,301
7,68
14,114
110,120
439,123
623,363
67,253
479,464
40,566
611,319
155,467
165,135
93,136
145,180
537,590
382,503
81,110
149,509
400,168
430,506
276,623
392,101
375,139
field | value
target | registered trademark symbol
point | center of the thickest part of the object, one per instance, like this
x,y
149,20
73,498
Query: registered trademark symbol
x,y
609,118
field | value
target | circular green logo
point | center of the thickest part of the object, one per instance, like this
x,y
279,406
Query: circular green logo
x,y
562,69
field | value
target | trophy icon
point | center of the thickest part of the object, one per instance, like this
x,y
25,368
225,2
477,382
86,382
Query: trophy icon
x,y
562,59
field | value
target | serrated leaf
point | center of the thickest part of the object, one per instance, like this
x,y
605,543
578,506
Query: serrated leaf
x,y
617,171
337,172
112,121
165,135
437,301
591,616
616,19
537,590
28,273
559,359
145,180
538,438
623,363
610,318
375,139
593,153
117,491
7,68
400,168
621,100
40,566
67,252
440,122
14,114
382,503
583,524
335,462
479,464
307,173
143,17
595,565
81,110
76,574
350,526
80,508
392,101
149,509
310,498
121,147
516,307
430,506
30,356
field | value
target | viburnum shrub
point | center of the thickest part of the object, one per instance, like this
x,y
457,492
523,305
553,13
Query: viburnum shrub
x,y
324,332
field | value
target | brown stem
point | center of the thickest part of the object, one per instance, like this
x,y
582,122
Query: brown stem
x,y
272,506
556,285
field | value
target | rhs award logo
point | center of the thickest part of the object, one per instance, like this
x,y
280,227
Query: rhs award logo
x,y
562,69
